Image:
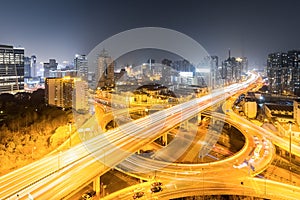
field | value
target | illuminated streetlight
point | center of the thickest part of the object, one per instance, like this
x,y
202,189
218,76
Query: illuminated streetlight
x,y
70,131
239,59
33,148
290,150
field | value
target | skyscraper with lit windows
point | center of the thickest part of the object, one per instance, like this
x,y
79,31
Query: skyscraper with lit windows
x,y
11,69
231,70
33,72
49,68
294,71
283,71
81,65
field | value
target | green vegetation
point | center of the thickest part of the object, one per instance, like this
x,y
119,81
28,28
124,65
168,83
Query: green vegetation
x,y
27,125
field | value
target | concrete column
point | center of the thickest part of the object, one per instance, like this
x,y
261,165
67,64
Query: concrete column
x,y
165,139
213,120
186,125
199,118
96,185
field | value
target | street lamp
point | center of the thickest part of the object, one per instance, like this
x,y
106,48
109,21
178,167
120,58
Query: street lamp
x,y
290,150
33,148
70,131
202,169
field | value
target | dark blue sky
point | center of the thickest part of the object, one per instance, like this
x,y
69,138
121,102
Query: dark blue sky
x,y
61,28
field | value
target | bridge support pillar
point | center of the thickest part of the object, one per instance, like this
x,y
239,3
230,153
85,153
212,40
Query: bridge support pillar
x,y
213,120
165,139
185,125
199,118
97,186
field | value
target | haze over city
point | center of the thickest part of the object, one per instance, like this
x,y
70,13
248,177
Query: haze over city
x,y
60,29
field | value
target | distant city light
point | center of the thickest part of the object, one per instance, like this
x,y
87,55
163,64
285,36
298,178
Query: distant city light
x,y
203,70
186,74
239,59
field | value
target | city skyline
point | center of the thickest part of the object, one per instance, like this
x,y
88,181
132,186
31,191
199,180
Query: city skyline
x,y
149,100
61,30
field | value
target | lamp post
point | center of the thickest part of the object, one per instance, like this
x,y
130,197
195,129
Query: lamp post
x,y
70,131
290,150
202,183
32,150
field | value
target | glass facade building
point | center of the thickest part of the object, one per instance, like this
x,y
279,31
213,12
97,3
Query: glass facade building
x,y
11,69
81,66
283,71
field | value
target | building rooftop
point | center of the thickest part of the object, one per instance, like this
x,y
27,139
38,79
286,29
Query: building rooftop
x,y
6,46
283,116
280,107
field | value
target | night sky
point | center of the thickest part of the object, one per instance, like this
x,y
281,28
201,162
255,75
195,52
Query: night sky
x,y
61,28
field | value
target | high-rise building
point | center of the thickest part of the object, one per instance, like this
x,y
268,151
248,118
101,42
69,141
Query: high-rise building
x,y
30,67
244,63
50,66
33,67
58,92
231,70
80,95
166,76
66,93
294,71
215,76
81,65
27,70
105,70
277,64
11,69
183,66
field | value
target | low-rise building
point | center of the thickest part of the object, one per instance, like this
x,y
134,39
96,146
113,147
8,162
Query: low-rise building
x,y
280,113
250,109
297,111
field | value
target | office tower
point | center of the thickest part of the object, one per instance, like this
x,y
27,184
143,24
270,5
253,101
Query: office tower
x,y
150,61
277,64
183,66
166,76
11,69
27,70
244,63
50,66
33,68
105,70
231,70
294,71
30,67
214,71
283,72
81,66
